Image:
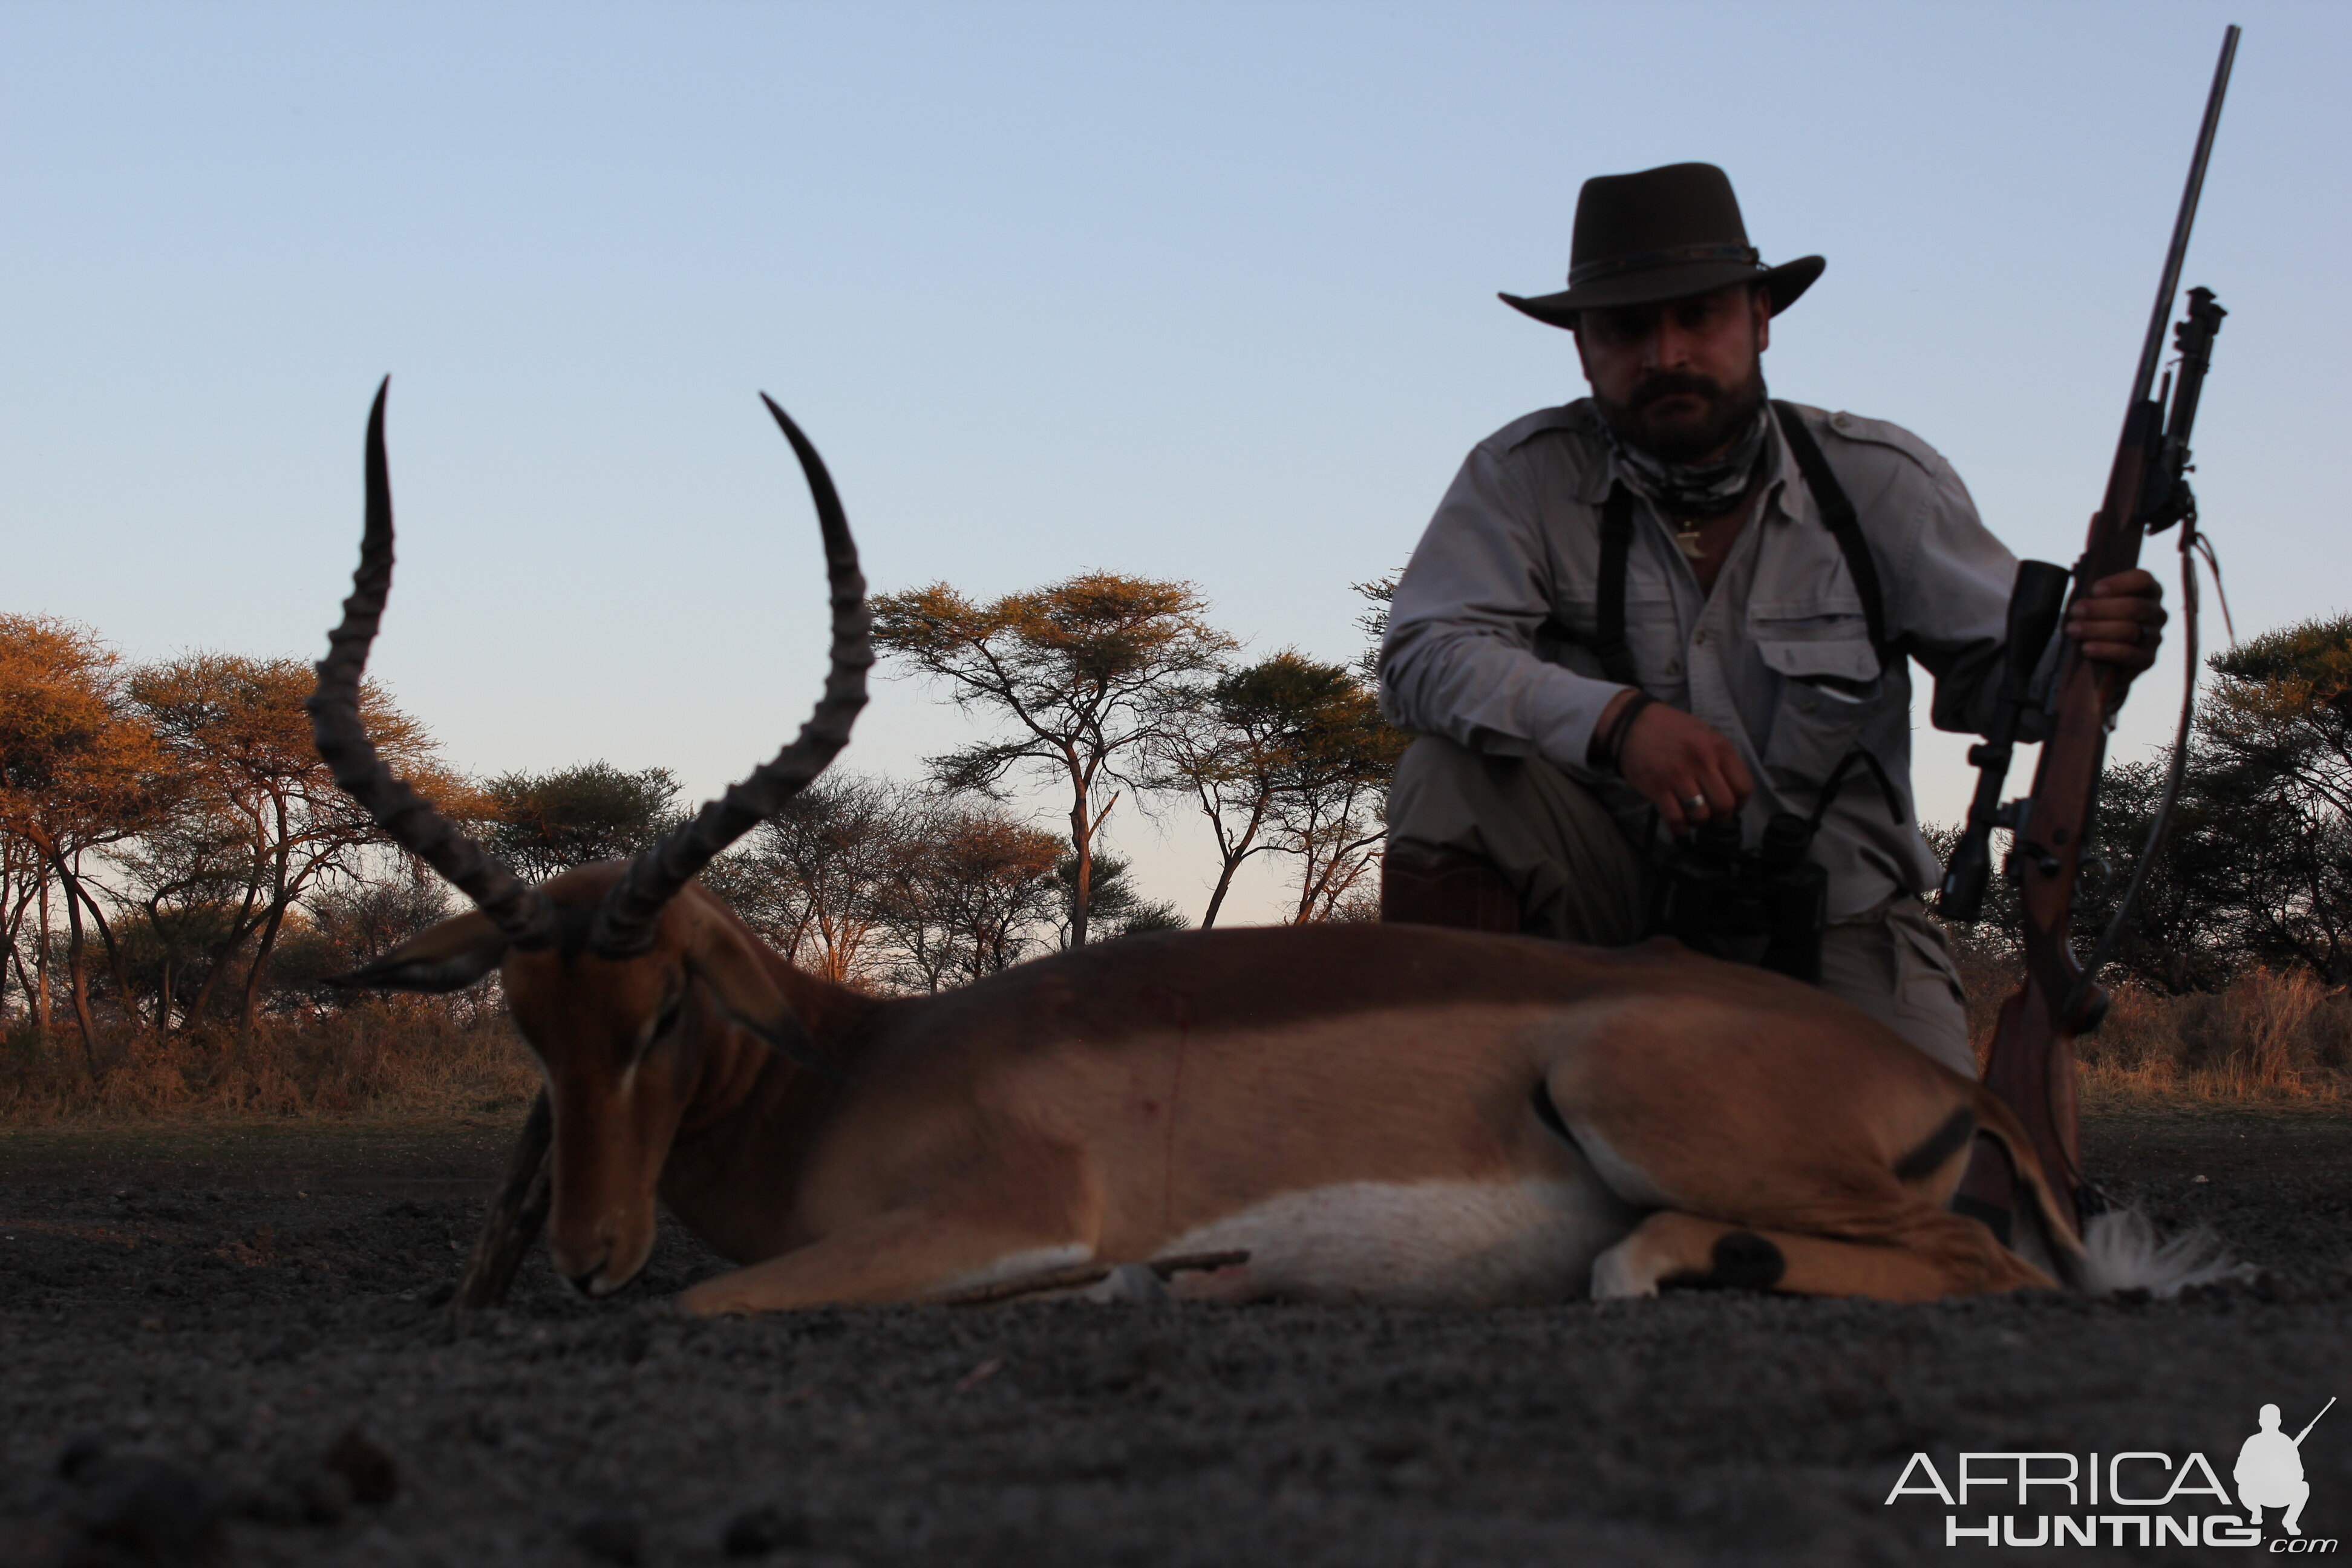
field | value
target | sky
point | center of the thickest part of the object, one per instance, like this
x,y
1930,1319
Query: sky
x,y
1201,291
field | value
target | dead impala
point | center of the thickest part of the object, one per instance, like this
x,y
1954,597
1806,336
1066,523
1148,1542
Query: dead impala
x,y
1383,1114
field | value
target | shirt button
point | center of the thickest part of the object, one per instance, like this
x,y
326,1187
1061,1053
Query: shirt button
x,y
1673,667
1701,639
1842,421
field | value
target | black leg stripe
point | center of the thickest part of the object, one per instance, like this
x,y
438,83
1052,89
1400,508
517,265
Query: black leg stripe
x,y
1941,1145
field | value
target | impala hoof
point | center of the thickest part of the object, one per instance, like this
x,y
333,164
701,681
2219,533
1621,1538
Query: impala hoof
x,y
1616,1275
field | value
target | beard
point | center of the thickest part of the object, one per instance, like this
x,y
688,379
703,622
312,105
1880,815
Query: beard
x,y
1682,434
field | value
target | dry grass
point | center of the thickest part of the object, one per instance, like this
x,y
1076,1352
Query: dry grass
x,y
395,1057
2267,1037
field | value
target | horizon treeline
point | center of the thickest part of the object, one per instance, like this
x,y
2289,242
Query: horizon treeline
x,y
173,855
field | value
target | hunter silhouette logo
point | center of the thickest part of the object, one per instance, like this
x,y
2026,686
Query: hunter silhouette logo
x,y
2270,1470
2135,1497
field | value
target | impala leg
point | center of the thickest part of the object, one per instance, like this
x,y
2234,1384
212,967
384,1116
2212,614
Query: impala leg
x,y
1835,1150
517,1217
1938,1255
898,1256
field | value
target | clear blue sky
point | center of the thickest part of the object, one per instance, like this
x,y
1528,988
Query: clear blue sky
x,y
1192,291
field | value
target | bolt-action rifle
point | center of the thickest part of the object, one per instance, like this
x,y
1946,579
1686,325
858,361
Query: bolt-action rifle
x,y
2033,1062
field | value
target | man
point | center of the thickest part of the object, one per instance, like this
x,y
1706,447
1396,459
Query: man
x,y
1740,646
2270,1473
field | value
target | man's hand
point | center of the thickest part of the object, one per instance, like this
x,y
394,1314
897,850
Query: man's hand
x,y
1677,761
2120,621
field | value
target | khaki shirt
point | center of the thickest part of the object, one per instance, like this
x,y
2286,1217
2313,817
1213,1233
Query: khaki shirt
x,y
1777,658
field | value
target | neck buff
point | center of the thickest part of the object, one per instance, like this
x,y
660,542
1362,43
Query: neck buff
x,y
1696,490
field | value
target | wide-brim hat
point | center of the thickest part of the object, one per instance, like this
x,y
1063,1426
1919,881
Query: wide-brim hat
x,y
1663,233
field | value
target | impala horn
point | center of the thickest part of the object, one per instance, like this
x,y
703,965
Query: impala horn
x,y
407,818
624,924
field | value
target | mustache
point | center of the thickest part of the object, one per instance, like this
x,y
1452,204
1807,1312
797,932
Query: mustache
x,y
1673,384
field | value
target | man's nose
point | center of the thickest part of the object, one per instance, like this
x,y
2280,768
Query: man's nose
x,y
1669,347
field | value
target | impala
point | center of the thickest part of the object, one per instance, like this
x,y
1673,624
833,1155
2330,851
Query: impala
x,y
1386,1113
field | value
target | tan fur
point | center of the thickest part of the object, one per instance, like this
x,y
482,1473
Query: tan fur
x,y
1111,1103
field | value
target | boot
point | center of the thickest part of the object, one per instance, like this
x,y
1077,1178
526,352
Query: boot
x,y
1445,887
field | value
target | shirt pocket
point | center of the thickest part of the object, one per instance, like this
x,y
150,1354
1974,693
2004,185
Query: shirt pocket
x,y
1830,685
1652,637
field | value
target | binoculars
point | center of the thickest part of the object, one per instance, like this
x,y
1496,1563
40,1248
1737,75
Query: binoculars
x,y
1767,906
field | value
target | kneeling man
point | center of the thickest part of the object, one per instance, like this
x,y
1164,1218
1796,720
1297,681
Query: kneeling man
x,y
1677,603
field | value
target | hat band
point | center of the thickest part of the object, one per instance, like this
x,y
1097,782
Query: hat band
x,y
1592,271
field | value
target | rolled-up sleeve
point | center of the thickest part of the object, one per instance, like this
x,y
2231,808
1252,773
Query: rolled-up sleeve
x,y
1459,657
1955,603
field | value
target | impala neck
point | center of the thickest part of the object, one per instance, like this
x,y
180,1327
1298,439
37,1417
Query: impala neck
x,y
753,1115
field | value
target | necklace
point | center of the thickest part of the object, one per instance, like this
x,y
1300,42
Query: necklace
x,y
1686,539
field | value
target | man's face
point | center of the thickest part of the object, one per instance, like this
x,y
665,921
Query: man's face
x,y
1679,379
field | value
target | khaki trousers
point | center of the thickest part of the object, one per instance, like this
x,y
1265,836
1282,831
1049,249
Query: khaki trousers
x,y
1579,880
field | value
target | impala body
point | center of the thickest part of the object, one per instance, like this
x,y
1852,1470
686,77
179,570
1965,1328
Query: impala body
x,y
1381,1113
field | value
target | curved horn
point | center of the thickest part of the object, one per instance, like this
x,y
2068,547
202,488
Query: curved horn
x,y
624,924
519,909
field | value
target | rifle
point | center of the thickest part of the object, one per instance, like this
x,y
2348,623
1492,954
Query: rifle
x,y
2031,1066
2307,1426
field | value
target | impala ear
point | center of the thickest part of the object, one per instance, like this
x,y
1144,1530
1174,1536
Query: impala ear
x,y
446,956
721,957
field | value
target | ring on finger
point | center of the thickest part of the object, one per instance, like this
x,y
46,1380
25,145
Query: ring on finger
x,y
1695,807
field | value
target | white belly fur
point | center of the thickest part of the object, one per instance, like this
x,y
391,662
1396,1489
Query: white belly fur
x,y
1020,1265
1421,1244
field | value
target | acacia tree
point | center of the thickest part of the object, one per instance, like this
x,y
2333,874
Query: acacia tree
x,y
1381,592
2276,734
1078,671
79,770
184,876
542,823
1332,784
22,884
1291,756
1116,907
1260,750
240,738
972,893
816,878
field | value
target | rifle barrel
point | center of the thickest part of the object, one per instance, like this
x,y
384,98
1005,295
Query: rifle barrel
x,y
2324,1409
2173,257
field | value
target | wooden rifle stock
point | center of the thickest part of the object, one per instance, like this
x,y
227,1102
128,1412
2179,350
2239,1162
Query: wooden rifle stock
x,y
2032,1065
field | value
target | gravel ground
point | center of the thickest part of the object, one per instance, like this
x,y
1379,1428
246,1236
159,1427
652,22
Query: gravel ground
x,y
238,1373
